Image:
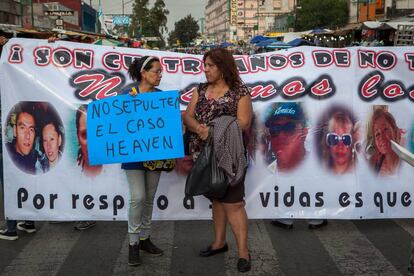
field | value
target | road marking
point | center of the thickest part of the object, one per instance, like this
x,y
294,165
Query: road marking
x,y
162,236
46,251
264,256
406,224
352,252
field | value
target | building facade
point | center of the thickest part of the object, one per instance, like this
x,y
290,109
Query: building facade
x,y
10,12
242,19
373,10
398,8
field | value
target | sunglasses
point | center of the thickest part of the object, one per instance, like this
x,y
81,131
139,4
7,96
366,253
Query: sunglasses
x,y
287,127
332,139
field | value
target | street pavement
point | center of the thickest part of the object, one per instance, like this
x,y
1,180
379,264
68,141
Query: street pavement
x,y
344,247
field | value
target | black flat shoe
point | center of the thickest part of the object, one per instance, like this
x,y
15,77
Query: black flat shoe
x,y
209,251
317,226
281,225
244,265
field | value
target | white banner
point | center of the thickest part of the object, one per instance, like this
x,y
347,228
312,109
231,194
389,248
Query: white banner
x,y
319,146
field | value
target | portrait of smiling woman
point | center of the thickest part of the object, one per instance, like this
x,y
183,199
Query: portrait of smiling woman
x,y
382,128
51,138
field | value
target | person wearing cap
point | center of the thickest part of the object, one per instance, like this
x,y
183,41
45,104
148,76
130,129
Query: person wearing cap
x,y
287,126
143,177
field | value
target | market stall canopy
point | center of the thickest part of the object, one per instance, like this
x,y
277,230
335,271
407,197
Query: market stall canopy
x,y
278,45
394,25
377,25
266,42
109,42
320,31
299,42
347,29
257,39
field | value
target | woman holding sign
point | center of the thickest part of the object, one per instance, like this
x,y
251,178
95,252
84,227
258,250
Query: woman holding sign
x,y
143,177
223,94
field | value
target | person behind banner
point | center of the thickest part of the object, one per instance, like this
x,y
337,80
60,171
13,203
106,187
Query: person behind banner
x,y
223,94
286,124
52,143
337,139
143,177
383,129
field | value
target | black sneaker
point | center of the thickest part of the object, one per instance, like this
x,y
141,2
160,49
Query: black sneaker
x,y
133,255
149,247
83,225
6,235
28,228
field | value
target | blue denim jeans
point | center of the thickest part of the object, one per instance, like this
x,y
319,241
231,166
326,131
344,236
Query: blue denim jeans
x,y
12,225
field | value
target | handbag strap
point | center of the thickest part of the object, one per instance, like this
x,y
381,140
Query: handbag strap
x,y
210,135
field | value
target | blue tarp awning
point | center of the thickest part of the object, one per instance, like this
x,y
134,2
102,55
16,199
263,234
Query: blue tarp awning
x,y
226,44
278,44
257,39
266,42
298,42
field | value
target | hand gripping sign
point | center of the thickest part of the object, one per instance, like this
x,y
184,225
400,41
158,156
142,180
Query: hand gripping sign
x,y
135,128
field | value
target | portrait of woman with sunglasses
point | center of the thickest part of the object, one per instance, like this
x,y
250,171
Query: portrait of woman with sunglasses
x,y
337,139
382,128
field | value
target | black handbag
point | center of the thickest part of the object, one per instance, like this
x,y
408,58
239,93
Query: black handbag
x,y
205,177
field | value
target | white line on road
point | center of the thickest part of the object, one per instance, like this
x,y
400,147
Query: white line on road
x,y
352,252
46,252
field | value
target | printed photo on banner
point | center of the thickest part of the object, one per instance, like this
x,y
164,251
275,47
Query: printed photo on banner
x,y
34,136
283,136
82,159
381,129
338,139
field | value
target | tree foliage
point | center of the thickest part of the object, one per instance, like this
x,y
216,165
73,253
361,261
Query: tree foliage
x,y
149,22
321,14
159,16
140,15
185,31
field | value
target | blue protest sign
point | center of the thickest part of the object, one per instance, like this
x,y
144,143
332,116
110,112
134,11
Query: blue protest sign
x,y
141,128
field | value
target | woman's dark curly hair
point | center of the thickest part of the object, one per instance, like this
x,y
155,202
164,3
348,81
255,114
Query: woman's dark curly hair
x,y
134,70
224,61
